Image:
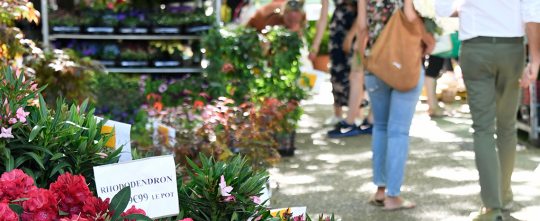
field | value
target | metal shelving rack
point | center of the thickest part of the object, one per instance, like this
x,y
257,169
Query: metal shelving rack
x,y
532,127
48,37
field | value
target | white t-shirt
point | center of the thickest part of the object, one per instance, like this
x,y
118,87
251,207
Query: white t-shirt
x,y
531,11
493,18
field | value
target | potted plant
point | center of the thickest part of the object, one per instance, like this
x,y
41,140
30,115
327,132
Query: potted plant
x,y
133,58
167,53
165,23
132,23
103,22
197,22
323,56
63,22
108,55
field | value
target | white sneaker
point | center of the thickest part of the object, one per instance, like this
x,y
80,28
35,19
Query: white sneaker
x,y
333,120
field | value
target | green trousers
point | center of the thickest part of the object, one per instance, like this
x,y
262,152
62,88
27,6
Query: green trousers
x,y
491,70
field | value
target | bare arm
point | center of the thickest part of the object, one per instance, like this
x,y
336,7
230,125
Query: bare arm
x,y
530,74
409,10
321,28
533,36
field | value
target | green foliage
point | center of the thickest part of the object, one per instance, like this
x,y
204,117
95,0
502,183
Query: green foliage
x,y
311,30
62,18
134,55
282,80
66,75
51,142
200,197
111,91
239,47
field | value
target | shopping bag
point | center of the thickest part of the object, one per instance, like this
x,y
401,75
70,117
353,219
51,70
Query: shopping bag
x,y
396,55
443,44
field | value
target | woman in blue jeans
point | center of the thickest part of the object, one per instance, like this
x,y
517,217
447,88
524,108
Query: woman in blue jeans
x,y
393,110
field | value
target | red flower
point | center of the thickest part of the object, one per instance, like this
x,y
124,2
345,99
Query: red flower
x,y
198,104
71,192
186,219
14,185
41,206
95,208
74,218
6,214
132,210
227,67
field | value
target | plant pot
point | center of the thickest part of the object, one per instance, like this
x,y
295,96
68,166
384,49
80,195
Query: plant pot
x,y
321,63
66,29
166,63
127,63
108,63
286,143
193,29
100,29
133,30
166,30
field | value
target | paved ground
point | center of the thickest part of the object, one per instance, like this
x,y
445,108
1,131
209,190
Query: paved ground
x,y
334,175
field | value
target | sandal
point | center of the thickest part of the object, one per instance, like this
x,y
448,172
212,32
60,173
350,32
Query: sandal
x,y
404,205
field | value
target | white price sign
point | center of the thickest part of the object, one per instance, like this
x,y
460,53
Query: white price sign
x,y
152,181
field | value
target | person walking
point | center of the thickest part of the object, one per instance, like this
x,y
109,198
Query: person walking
x,y
492,61
347,83
392,109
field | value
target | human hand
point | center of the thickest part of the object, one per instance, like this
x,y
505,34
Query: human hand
x,y
429,43
312,56
526,79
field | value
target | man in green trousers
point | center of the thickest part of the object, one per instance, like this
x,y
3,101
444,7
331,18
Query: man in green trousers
x,y
492,61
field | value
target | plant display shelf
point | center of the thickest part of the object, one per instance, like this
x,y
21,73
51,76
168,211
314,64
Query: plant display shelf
x,y
124,37
156,70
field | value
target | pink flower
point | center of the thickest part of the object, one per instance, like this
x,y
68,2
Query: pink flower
x,y
12,121
255,199
229,199
33,87
223,188
186,219
6,214
21,114
6,133
227,67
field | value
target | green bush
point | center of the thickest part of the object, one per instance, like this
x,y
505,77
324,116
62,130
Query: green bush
x,y
47,142
201,198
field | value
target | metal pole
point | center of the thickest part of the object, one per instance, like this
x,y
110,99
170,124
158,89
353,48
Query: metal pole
x,y
45,23
217,8
533,134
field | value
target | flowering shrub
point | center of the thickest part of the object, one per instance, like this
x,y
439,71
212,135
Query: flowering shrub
x,y
67,199
43,142
220,190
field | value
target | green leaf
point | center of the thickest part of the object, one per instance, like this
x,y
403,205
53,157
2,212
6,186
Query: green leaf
x,y
10,162
57,156
59,168
137,217
16,208
119,202
43,107
36,158
35,131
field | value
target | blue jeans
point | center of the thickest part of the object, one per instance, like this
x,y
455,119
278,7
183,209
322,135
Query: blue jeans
x,y
393,111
